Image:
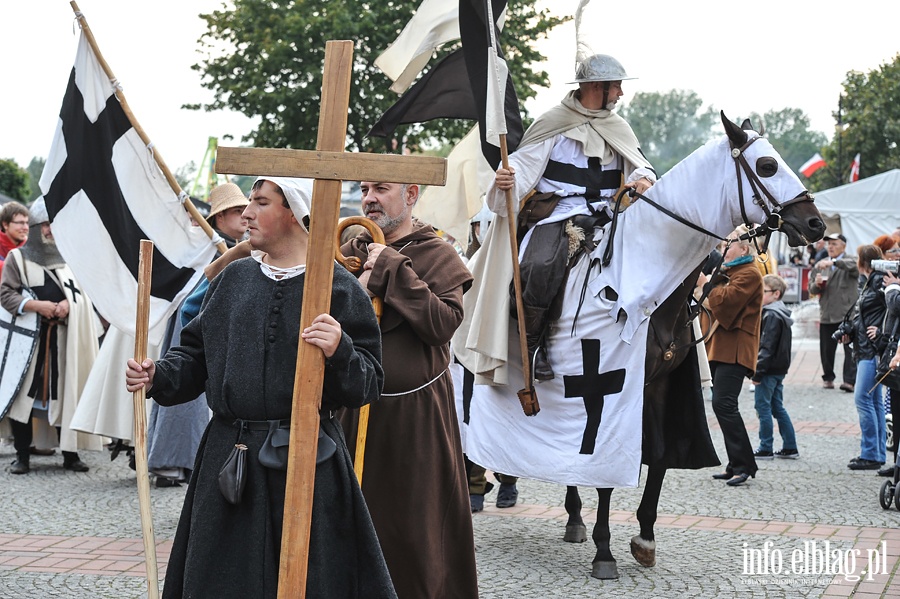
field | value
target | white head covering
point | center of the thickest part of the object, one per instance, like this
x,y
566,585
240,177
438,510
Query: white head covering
x,y
298,193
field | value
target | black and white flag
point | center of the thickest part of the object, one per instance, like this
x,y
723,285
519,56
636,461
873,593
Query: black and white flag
x,y
104,193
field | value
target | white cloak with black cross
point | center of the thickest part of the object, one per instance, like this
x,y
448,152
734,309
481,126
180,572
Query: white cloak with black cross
x,y
588,431
77,348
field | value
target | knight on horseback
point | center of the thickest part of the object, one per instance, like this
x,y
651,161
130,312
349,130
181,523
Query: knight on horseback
x,y
569,166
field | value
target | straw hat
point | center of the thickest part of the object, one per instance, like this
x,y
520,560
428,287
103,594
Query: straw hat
x,y
225,196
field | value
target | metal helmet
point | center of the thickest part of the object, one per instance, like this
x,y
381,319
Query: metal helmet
x,y
600,67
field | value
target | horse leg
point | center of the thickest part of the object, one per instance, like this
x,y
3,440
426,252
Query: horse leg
x,y
575,529
604,565
643,546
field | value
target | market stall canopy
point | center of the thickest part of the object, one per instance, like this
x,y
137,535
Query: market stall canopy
x,y
867,208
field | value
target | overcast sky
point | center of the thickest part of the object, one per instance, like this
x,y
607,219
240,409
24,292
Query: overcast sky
x,y
741,57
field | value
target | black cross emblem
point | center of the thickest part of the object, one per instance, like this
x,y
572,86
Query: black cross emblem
x,y
12,329
593,387
88,167
75,291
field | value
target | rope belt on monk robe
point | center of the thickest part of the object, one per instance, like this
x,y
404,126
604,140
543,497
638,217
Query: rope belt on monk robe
x,y
419,388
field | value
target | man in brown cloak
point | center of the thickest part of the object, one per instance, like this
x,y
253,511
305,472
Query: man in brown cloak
x,y
414,482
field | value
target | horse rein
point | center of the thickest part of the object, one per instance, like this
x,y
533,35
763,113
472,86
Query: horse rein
x,y
760,194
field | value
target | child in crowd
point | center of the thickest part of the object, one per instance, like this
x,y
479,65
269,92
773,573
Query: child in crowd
x,y
771,367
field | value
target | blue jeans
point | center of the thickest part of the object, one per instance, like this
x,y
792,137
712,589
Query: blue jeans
x,y
769,397
871,413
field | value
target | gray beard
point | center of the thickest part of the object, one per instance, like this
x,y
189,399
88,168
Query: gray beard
x,y
42,251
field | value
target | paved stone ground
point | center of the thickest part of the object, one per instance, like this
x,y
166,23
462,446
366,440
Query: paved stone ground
x,y
78,535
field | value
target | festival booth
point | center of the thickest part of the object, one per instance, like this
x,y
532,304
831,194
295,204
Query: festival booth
x,y
866,208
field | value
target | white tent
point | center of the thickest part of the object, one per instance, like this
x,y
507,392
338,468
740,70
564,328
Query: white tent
x,y
867,208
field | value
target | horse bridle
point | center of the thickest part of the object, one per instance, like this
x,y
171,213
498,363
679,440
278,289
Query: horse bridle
x,y
772,223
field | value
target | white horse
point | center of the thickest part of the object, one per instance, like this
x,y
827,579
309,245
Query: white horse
x,y
616,400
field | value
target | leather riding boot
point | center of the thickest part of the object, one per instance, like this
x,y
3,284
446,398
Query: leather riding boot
x,y
535,327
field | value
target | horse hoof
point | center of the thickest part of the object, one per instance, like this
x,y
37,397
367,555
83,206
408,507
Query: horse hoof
x,y
643,551
605,570
575,533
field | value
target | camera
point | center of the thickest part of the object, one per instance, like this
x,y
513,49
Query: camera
x,y
886,265
845,328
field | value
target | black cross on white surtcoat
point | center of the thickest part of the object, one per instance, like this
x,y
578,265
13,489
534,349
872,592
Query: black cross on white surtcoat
x,y
75,291
593,386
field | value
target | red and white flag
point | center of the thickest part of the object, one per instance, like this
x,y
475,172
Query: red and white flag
x,y
854,169
812,165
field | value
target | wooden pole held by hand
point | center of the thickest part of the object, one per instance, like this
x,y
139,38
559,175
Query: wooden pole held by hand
x,y
142,323
528,395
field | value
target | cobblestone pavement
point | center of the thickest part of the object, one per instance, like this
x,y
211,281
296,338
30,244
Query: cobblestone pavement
x,y
79,536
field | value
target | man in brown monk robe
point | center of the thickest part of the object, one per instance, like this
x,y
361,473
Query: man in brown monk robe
x,y
414,480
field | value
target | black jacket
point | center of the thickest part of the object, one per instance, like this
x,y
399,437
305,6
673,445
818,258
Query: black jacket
x,y
870,310
774,341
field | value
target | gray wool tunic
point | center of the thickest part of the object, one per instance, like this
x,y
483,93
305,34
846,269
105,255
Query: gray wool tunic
x,y
242,350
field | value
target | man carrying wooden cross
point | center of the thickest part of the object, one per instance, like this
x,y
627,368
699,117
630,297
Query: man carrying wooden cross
x,y
415,483
228,540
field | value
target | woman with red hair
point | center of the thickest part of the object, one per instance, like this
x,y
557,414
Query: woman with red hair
x,y
890,246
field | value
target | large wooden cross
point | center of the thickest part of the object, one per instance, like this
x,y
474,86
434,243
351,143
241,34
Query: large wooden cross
x,y
328,165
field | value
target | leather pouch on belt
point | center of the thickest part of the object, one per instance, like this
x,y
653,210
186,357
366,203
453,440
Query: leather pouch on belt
x,y
233,475
274,451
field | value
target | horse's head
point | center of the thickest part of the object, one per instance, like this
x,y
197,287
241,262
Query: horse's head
x,y
768,189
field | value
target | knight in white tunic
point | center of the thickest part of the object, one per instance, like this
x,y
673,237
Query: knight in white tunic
x,y
66,348
574,158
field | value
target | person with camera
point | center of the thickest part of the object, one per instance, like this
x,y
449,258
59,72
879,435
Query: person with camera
x,y
891,382
735,301
867,341
834,279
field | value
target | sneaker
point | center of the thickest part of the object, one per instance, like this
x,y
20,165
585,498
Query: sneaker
x,y
864,465
763,455
846,387
788,454
477,502
828,385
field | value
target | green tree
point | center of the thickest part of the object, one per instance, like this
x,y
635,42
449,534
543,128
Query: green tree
x,y
35,170
788,131
185,174
265,59
14,180
869,121
669,125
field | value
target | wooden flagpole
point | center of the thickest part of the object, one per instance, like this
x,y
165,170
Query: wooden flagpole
x,y
170,178
527,395
145,268
494,123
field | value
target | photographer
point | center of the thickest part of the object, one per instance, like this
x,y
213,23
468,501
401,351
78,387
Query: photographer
x,y
834,280
891,249
867,341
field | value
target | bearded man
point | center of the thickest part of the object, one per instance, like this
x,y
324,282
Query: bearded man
x,y
415,483
66,347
